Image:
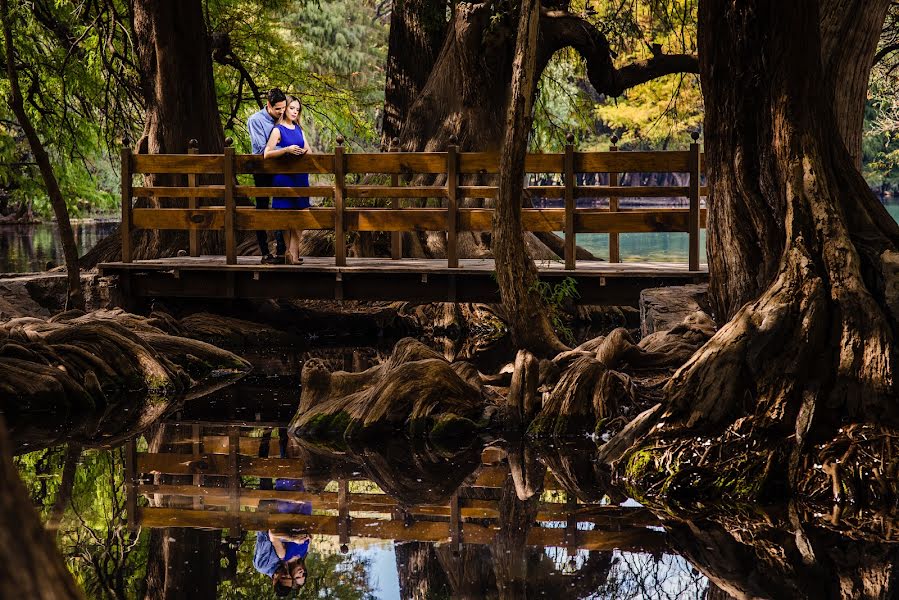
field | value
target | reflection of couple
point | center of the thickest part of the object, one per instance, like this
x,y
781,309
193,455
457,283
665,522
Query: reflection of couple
x,y
282,554
275,131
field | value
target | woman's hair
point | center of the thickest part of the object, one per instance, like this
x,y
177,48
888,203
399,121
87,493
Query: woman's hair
x,y
281,590
291,100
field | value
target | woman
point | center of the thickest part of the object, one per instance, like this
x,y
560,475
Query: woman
x,y
287,139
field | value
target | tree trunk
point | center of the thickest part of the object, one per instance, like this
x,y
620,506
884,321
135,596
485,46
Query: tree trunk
x,y
800,256
30,564
174,59
416,35
527,314
70,250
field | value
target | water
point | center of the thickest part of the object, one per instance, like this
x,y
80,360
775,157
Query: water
x,y
26,248
382,517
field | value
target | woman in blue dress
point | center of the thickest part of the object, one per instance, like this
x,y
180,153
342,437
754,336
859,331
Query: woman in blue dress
x,y
287,139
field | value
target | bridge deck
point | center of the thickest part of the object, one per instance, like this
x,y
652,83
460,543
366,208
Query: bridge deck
x,y
425,280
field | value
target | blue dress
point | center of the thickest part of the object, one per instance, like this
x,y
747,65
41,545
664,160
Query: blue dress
x,y
289,137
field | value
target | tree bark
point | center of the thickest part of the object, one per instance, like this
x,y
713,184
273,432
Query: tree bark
x,y
16,103
30,564
417,28
527,314
800,255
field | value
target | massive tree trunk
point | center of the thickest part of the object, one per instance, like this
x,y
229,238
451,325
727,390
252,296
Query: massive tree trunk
x,y
802,258
416,34
16,102
175,66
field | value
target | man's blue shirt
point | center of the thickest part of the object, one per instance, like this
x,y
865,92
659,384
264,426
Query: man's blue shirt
x,y
265,559
260,125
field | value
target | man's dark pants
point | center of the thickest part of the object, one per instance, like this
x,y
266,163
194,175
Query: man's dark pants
x,y
262,180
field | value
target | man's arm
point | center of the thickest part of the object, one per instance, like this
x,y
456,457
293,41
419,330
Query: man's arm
x,y
257,135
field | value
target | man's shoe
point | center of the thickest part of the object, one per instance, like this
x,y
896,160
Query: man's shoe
x,y
268,259
279,260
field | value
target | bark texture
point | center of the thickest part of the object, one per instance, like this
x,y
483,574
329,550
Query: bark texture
x,y
802,261
30,564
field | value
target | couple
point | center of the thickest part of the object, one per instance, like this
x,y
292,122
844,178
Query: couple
x,y
275,131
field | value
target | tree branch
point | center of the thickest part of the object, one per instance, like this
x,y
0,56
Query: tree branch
x,y
561,29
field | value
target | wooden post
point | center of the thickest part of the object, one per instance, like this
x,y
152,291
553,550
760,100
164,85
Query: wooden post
x,y
230,238
131,484
343,511
396,237
452,204
568,166
193,202
455,525
571,523
234,479
125,227
614,248
693,219
339,193
196,434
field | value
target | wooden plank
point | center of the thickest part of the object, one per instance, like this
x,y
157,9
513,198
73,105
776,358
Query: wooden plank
x,y
177,163
477,191
693,223
632,162
230,234
250,219
234,479
532,219
546,191
570,207
396,162
217,465
478,162
614,241
211,217
628,539
251,191
383,191
452,208
544,163
388,219
343,511
125,227
307,163
206,191
632,191
131,483
193,203
339,196
600,221
396,237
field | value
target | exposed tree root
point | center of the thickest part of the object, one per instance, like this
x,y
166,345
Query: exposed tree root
x,y
94,377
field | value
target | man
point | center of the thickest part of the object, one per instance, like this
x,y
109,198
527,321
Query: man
x,y
260,126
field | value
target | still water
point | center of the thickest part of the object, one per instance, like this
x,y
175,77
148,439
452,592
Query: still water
x,y
400,520
200,498
26,248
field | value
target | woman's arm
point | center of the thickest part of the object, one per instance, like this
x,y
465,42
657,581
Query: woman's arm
x,y
278,545
271,149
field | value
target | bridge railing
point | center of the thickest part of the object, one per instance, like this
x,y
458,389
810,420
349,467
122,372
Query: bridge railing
x,y
462,175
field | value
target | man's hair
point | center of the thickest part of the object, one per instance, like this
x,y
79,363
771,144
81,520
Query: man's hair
x,y
281,590
275,95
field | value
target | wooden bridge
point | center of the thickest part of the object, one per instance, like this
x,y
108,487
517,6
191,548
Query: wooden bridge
x,y
400,203
218,459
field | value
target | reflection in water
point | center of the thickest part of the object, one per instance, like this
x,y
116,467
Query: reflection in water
x,y
27,248
177,511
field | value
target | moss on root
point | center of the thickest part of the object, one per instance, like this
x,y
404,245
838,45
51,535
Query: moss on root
x,y
449,425
327,425
678,479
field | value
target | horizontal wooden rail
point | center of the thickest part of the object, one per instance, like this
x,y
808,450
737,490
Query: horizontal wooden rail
x,y
633,538
347,196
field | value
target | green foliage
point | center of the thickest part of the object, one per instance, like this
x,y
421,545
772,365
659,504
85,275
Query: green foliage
x,y
554,297
656,115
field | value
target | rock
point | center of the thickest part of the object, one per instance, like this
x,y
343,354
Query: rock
x,y
664,308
